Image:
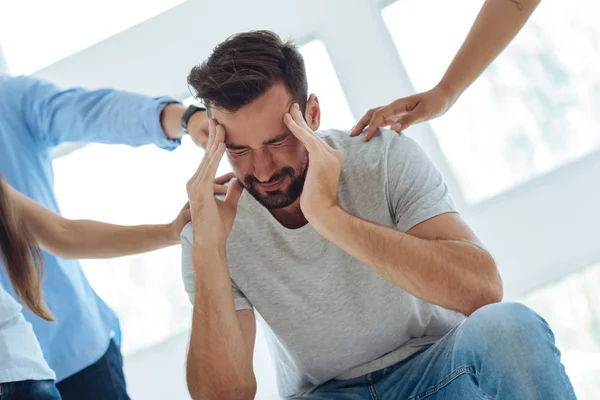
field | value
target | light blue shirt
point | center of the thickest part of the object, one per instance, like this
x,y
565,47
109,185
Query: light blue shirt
x,y
36,116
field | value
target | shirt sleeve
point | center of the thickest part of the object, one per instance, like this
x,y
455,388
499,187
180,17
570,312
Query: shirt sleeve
x,y
108,116
415,188
189,276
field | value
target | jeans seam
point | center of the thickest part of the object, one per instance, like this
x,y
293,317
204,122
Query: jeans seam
x,y
465,369
371,387
373,392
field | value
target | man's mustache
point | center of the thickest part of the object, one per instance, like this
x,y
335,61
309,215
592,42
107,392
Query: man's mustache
x,y
250,179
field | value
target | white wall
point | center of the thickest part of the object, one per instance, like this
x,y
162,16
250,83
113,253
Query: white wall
x,y
159,372
3,65
539,231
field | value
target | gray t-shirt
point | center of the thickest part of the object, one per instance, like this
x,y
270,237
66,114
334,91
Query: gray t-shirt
x,y
326,314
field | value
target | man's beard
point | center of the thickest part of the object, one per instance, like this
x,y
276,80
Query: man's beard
x,y
278,198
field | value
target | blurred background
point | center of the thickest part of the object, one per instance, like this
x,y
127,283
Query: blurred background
x,y
520,150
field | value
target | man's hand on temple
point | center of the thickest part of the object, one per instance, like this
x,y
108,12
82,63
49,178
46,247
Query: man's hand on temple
x,y
324,167
212,218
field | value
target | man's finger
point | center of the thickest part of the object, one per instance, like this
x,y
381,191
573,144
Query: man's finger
x,y
301,134
218,138
233,193
301,122
214,138
219,189
362,124
213,164
207,151
299,118
219,135
224,178
212,125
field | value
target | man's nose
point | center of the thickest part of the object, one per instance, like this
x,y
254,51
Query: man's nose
x,y
264,167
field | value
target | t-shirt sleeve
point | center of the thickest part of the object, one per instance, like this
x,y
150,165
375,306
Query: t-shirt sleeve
x,y
415,188
189,276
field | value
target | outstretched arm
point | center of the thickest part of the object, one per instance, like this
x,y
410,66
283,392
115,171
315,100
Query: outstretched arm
x,y
495,27
92,239
55,115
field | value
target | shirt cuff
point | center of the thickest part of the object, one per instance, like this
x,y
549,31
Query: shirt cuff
x,y
155,128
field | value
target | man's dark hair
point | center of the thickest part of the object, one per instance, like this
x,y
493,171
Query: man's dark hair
x,y
245,66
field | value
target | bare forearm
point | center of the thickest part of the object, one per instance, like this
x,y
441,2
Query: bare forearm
x,y
92,239
219,365
497,24
89,239
170,119
453,274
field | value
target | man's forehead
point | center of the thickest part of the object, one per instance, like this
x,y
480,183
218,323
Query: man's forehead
x,y
259,121
273,103
255,135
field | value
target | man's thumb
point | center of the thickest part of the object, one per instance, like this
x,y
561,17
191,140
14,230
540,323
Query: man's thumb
x,y
234,191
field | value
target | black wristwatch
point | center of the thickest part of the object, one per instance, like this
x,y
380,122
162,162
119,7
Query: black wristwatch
x,y
191,110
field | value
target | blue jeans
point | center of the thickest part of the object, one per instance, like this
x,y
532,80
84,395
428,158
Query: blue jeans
x,y
103,380
29,390
502,351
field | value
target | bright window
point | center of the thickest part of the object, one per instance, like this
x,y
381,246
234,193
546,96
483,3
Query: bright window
x,y
323,81
534,109
572,309
37,33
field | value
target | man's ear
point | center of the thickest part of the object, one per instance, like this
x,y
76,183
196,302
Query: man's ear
x,y
313,112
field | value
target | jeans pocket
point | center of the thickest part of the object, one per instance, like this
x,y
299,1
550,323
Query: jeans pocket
x,y
465,369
